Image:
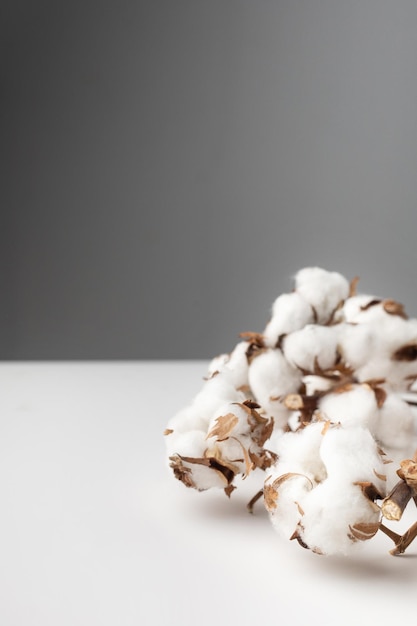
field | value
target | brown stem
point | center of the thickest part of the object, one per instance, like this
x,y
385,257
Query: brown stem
x,y
405,540
390,533
394,504
254,500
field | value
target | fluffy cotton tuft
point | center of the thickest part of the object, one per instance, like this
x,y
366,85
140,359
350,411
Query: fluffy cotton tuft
x,y
290,312
324,291
329,510
313,347
271,378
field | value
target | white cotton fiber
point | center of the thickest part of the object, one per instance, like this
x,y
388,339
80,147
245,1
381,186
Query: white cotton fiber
x,y
354,406
299,452
192,443
316,384
350,454
329,509
324,290
313,347
290,489
331,513
395,426
271,378
238,365
215,392
271,375
290,312
189,418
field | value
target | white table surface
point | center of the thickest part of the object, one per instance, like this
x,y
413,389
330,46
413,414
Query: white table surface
x,y
94,529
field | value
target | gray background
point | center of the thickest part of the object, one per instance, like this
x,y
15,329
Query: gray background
x,y
168,165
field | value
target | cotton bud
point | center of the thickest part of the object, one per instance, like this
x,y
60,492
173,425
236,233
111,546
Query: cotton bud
x,y
290,312
324,291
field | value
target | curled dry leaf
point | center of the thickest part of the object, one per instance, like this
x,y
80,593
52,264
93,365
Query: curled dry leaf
x,y
370,304
229,490
382,477
271,489
379,392
224,427
370,492
406,353
181,472
362,531
327,424
260,427
256,344
395,308
216,461
270,497
263,459
353,286
408,472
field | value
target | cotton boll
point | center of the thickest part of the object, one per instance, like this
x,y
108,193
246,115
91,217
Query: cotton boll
x,y
356,405
316,489
392,354
313,346
324,290
335,516
350,454
299,452
338,513
270,379
357,343
271,375
290,312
